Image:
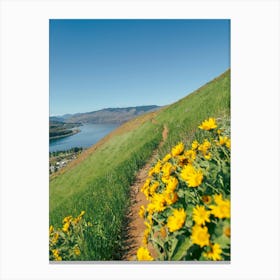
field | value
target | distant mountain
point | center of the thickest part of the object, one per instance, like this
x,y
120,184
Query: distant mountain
x,y
109,115
66,116
55,119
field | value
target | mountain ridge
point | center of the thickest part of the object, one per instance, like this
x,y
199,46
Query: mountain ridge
x,y
107,115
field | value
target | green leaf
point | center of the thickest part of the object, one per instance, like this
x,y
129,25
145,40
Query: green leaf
x,y
223,240
193,253
174,242
184,243
156,228
203,258
181,193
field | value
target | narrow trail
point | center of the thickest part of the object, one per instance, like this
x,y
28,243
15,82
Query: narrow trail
x,y
135,228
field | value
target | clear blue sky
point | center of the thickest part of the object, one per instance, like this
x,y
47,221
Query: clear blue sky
x,y
96,64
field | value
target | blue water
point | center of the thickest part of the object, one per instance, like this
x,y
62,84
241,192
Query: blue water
x,y
89,135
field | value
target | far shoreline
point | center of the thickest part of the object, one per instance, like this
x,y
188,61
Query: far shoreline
x,y
66,135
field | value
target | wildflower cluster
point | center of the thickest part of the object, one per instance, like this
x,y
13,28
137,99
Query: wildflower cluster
x,y
188,214
66,243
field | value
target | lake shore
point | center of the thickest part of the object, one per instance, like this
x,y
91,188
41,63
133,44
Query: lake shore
x,y
89,135
65,135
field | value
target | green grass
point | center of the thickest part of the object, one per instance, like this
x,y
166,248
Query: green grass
x,y
100,183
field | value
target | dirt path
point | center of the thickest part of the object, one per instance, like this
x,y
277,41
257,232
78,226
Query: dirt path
x,y
135,228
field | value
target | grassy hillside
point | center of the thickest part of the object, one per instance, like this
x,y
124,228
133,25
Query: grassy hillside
x,y
99,180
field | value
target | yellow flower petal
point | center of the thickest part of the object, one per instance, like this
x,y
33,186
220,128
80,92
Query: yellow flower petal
x,y
208,124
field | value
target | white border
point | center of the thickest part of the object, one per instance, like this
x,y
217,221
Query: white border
x,y
255,137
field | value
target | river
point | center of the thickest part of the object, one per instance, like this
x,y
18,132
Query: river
x,y
89,135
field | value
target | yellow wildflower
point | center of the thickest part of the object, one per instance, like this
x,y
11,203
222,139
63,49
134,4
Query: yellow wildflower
x,y
167,169
206,199
151,208
151,171
143,254
147,183
182,160
222,209
77,251
192,176
218,198
82,213
145,188
195,145
176,220
67,219
177,150
56,255
146,193
142,211
147,232
157,167
66,227
227,231
172,183
204,147
201,215
167,158
170,197
55,252
165,179
200,235
51,229
214,253
208,124
150,219
228,144
148,225
224,140
55,237
208,156
191,155
146,236
158,202
153,187
76,220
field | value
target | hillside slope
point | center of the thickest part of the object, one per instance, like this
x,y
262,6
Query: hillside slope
x,y
98,182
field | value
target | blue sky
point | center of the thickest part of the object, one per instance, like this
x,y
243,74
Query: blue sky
x,y
96,64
